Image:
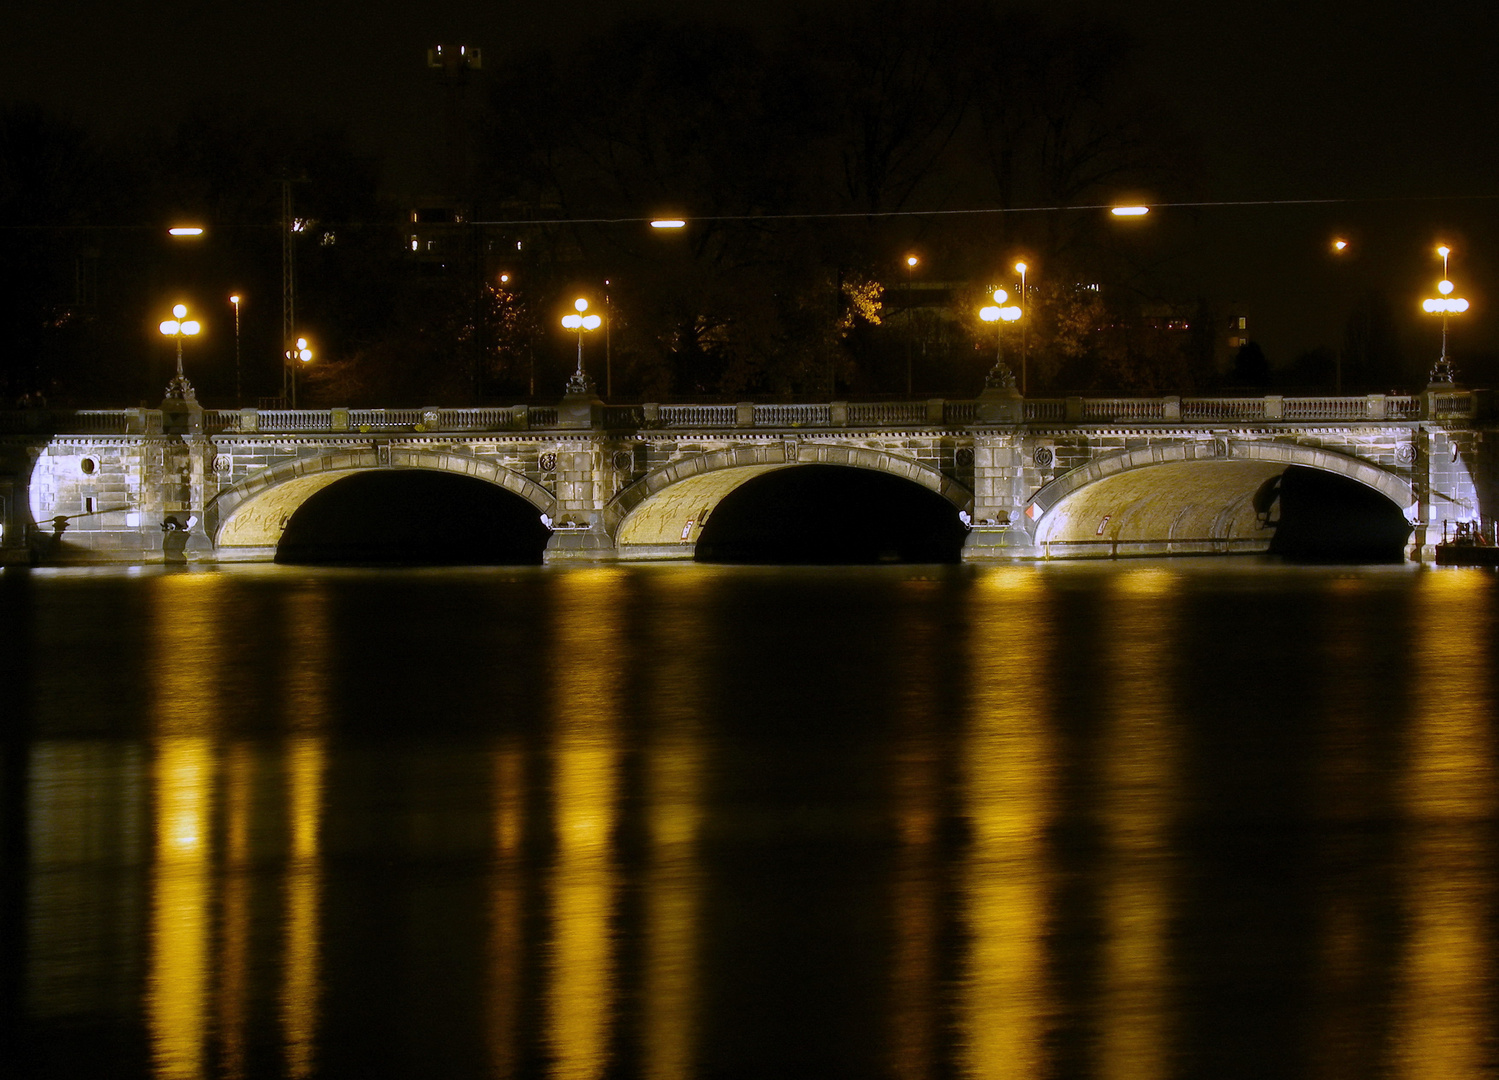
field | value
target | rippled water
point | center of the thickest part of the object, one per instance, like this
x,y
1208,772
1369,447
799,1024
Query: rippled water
x,y
1138,820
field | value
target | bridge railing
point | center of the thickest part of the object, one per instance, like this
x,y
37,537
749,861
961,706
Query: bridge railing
x,y
75,421
1449,405
696,416
1271,407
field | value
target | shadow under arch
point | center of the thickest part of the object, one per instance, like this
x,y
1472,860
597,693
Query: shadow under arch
x,y
245,521
661,515
831,515
1187,498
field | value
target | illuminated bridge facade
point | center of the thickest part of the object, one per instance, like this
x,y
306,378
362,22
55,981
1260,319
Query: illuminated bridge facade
x,y
1036,478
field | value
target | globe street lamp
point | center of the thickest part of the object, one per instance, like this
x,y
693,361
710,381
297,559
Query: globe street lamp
x,y
999,314
580,322
179,326
911,264
235,300
1446,305
1021,268
299,352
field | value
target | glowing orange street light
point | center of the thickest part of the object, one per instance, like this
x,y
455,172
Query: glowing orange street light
x,y
236,299
185,230
911,263
1340,245
1130,211
1021,268
668,223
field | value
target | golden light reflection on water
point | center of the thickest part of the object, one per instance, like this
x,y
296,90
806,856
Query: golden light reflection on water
x,y
677,636
1009,761
1445,1012
588,664
300,991
1137,756
307,704
178,982
185,649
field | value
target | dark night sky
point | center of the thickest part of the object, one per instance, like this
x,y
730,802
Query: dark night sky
x,y
1391,105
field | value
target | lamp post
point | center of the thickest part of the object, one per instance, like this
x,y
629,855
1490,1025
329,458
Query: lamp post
x,y
580,322
999,314
1021,268
300,352
235,300
1446,305
911,264
180,326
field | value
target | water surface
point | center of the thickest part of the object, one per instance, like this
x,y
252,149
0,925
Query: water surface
x,y
1169,819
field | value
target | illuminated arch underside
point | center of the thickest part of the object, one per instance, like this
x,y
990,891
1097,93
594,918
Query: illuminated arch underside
x,y
1172,499
252,514
662,518
260,521
654,512
1181,502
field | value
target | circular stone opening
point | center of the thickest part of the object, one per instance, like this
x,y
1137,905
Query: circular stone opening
x,y
87,466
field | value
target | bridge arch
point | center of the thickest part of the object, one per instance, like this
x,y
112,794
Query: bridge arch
x,y
666,508
1199,495
251,514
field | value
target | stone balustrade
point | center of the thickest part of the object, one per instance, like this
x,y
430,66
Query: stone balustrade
x,y
937,412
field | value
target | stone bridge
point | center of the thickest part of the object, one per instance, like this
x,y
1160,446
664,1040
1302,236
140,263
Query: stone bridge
x,y
1036,478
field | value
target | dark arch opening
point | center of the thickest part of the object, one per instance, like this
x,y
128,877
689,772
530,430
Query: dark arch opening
x,y
1324,517
413,517
831,514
